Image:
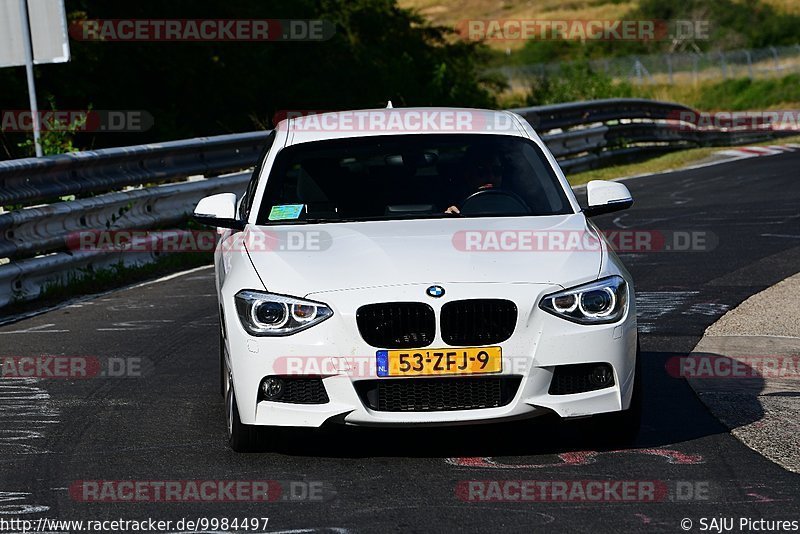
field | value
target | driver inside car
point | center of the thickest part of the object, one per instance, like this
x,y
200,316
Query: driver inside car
x,y
481,173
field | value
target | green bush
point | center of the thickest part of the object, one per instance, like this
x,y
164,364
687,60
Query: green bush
x,y
732,24
56,136
575,81
747,94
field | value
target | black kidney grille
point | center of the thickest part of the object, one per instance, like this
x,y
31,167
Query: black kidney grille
x,y
437,394
478,321
397,325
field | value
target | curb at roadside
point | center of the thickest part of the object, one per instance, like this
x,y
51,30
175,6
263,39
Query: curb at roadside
x,y
759,399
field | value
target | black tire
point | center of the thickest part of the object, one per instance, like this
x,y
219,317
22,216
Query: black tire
x,y
622,428
241,437
221,365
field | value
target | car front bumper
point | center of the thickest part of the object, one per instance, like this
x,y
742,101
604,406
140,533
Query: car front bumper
x,y
540,342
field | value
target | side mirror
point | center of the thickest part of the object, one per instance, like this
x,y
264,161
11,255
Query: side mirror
x,y
606,197
219,211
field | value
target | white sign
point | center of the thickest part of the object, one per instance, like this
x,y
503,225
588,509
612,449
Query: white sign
x,y
49,32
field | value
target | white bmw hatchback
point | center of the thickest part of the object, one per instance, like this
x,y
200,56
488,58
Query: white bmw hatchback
x,y
426,266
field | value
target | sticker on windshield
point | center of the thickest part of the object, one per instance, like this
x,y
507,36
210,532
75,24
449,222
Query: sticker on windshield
x,y
285,212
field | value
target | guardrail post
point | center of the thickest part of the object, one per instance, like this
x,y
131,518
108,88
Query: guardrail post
x,y
8,283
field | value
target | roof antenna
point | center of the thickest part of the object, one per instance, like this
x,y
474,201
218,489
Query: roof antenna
x,y
389,105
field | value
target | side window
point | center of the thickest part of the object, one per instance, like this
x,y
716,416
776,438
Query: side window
x,y
249,194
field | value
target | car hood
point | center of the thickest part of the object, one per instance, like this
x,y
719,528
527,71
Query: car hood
x,y
312,258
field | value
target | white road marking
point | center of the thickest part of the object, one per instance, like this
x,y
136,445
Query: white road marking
x,y
18,508
128,326
41,329
25,412
131,306
172,276
652,305
736,154
707,308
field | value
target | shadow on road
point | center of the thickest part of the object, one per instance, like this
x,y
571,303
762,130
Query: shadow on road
x,y
672,414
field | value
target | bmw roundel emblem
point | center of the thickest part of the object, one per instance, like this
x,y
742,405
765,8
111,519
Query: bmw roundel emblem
x,y
435,291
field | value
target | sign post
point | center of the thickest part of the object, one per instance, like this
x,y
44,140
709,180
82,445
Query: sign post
x,y
28,46
33,32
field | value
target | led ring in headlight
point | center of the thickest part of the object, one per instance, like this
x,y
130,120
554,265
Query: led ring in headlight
x,y
270,314
602,301
598,302
565,303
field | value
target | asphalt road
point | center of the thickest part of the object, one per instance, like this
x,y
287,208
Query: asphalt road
x,y
167,423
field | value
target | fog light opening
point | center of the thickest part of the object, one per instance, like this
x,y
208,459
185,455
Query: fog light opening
x,y
602,375
272,388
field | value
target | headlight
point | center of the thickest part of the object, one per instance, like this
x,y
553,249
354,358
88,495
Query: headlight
x,y
603,301
268,314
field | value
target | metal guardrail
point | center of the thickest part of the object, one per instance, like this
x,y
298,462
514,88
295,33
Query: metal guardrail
x,y
28,232
33,180
585,135
33,240
567,115
41,240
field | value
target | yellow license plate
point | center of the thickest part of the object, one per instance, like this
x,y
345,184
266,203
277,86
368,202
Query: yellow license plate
x,y
449,361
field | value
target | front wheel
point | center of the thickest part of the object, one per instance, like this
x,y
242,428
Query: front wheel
x,y
622,428
222,377
241,437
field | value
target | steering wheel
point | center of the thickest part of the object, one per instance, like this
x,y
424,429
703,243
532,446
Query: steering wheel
x,y
494,201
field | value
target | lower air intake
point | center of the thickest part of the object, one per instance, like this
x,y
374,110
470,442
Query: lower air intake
x,y
437,394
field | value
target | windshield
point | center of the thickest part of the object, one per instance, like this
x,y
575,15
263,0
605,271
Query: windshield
x,y
411,176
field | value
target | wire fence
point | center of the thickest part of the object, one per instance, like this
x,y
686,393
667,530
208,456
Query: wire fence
x,y
677,68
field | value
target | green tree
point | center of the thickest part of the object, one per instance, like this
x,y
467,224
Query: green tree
x,y
575,81
378,52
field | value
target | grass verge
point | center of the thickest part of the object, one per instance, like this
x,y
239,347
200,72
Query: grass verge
x,y
667,162
731,95
740,94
